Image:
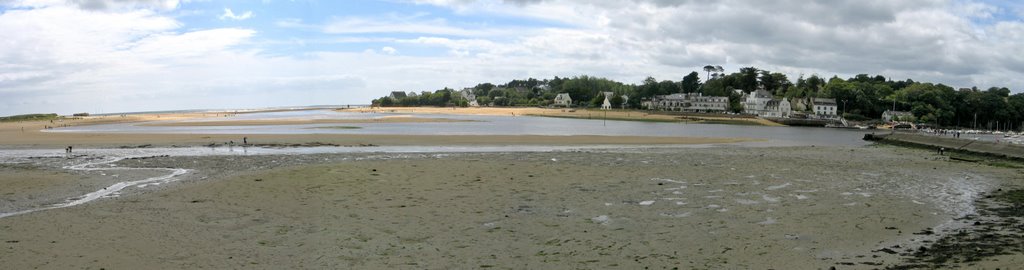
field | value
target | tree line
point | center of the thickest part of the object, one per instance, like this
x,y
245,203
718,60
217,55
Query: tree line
x,y
861,97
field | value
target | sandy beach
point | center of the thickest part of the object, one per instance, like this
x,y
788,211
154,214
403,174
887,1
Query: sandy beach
x,y
382,120
31,134
706,208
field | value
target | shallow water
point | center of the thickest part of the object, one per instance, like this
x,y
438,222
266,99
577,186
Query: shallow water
x,y
498,125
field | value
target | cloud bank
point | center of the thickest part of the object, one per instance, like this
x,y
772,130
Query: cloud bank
x,y
111,56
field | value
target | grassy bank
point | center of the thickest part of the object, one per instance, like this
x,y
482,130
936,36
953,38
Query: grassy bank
x,y
29,117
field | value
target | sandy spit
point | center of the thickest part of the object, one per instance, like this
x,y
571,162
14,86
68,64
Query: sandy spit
x,y
30,134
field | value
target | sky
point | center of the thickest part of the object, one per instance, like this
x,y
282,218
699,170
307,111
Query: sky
x,y
106,56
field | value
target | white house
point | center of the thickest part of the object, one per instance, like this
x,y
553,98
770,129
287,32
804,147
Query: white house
x,y
778,108
470,98
824,106
757,102
799,104
563,99
647,103
607,100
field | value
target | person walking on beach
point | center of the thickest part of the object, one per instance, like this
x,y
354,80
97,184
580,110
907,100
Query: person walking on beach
x,y
245,140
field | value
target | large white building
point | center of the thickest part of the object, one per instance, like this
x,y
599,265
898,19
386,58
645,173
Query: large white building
x,y
824,107
756,102
689,103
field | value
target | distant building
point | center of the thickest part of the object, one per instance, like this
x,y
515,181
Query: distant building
x,y
688,103
397,95
799,104
756,102
647,103
563,99
890,116
412,94
778,108
673,102
701,103
470,98
607,100
824,106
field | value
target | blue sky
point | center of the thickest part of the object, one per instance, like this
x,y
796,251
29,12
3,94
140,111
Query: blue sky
x,y
69,56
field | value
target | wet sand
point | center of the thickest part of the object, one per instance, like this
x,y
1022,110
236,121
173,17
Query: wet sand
x,y
33,136
382,120
707,208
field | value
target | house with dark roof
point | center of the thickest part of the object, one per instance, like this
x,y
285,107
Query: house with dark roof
x,y
397,95
824,106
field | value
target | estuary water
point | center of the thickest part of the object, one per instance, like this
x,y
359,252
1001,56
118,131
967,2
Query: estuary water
x,y
496,125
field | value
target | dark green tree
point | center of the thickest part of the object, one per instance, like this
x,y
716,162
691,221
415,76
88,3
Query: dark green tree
x,y
597,101
616,101
748,78
691,82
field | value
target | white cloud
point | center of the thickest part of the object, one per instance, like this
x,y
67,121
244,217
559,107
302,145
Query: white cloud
x,y
935,40
361,25
126,4
230,15
420,23
57,55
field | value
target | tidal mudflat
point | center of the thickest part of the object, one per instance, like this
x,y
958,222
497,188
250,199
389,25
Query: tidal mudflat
x,y
705,208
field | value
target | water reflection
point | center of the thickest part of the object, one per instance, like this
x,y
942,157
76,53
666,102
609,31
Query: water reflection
x,y
498,125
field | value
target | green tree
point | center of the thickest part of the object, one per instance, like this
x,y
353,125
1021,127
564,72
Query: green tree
x,y
616,101
748,79
691,82
774,82
668,87
597,101
709,69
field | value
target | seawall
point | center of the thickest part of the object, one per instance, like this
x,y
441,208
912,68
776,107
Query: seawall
x,y
1004,150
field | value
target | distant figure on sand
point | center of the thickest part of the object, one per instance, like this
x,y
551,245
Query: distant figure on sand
x,y
245,140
